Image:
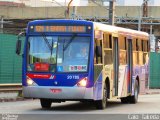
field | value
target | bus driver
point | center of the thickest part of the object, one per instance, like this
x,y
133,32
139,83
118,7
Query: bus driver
x,y
83,52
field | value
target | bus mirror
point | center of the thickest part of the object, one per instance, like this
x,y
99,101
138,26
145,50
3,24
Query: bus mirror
x,y
18,47
19,42
99,51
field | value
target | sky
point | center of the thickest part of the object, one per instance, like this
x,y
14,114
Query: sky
x,y
137,2
39,3
50,2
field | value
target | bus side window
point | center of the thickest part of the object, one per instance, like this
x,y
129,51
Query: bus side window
x,y
134,44
142,44
98,51
107,43
135,53
137,48
145,52
122,51
122,44
110,41
139,45
147,46
95,56
140,51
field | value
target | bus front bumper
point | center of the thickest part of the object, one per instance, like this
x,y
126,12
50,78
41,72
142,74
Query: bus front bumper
x,y
62,93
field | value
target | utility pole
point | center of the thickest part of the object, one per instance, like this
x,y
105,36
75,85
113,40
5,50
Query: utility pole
x,y
111,11
140,19
145,13
67,11
74,12
145,8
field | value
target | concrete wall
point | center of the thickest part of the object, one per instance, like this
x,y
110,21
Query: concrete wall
x,y
31,12
58,12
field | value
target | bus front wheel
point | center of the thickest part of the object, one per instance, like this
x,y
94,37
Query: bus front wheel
x,y
134,98
101,104
45,103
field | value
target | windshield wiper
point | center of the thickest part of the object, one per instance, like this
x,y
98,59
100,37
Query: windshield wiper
x,y
52,47
70,41
47,42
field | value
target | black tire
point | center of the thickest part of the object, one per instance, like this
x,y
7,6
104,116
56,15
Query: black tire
x,y
101,104
125,100
45,103
134,98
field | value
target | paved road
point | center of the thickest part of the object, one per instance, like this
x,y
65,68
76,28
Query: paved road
x,y
31,110
146,104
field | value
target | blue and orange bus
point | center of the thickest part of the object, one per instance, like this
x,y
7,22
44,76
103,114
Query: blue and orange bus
x,y
54,71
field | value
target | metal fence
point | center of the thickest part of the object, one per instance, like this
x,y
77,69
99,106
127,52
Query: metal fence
x,y
154,70
10,63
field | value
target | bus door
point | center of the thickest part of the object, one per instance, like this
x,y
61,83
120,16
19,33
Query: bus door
x,y
130,64
115,66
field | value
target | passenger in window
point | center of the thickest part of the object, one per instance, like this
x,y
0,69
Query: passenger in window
x,y
83,52
122,58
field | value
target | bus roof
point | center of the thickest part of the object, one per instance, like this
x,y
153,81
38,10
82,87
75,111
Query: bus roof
x,y
97,26
51,21
120,30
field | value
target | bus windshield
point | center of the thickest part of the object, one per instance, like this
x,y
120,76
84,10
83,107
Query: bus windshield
x,y
58,53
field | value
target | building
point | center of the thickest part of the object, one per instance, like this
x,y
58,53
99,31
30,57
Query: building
x,y
137,2
48,3
154,2
44,3
8,3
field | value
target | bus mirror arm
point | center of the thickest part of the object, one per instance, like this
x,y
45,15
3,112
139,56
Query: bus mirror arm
x,y
19,43
18,47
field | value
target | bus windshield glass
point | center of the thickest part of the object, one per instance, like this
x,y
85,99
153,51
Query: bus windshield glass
x,y
58,53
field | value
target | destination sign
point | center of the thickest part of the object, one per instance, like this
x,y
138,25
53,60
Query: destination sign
x,y
76,29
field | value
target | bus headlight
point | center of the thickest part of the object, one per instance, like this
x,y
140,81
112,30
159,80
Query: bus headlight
x,y
83,82
30,82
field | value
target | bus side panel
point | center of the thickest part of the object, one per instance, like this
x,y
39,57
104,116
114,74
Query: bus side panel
x,y
122,84
98,88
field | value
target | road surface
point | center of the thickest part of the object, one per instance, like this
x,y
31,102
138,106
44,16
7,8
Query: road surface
x,y
147,104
